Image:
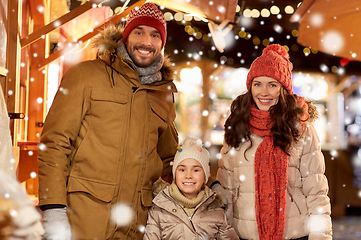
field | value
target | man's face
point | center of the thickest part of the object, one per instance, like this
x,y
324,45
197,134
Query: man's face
x,y
144,44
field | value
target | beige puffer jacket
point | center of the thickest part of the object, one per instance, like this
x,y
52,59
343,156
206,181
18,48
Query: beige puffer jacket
x,y
167,220
307,207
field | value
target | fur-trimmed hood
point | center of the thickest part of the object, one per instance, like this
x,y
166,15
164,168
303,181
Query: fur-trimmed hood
x,y
161,185
109,40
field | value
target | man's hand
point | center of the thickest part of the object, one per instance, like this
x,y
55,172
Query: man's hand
x,y
227,200
56,224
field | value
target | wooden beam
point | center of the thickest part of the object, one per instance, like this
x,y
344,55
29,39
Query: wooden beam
x,y
37,9
114,19
13,51
58,22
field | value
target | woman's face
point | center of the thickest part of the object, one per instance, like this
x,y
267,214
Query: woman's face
x,y
265,92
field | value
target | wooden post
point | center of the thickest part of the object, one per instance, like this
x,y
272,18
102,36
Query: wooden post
x,y
12,82
37,87
207,70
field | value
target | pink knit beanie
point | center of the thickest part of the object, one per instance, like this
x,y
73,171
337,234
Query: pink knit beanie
x,y
274,62
148,15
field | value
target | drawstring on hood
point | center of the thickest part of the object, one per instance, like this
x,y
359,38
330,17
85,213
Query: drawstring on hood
x,y
113,56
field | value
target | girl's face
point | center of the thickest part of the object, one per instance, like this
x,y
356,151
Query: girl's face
x,y
189,177
265,92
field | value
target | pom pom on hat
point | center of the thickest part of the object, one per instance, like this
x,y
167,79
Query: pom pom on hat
x,y
274,62
148,15
193,148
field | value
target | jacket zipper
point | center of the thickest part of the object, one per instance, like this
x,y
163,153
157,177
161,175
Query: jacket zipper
x,y
289,194
125,153
190,218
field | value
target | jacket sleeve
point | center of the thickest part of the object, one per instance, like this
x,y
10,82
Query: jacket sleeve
x,y
226,231
60,129
167,146
315,187
152,230
225,174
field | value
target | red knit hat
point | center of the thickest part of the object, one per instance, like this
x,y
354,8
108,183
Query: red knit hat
x,y
274,62
148,15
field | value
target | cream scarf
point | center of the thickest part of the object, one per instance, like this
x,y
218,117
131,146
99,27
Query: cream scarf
x,y
189,205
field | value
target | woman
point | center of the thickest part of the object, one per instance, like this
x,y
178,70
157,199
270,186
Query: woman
x,y
271,158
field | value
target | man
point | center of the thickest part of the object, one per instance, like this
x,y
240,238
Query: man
x,y
109,134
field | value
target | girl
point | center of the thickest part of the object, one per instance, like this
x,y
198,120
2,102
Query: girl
x,y
271,157
188,209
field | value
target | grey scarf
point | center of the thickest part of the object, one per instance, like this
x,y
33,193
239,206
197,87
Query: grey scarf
x,y
149,74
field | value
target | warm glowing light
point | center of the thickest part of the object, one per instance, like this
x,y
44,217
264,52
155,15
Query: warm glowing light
x,y
198,35
191,31
247,13
178,17
306,51
334,69
314,51
255,13
188,17
294,47
265,12
168,16
275,10
289,9
256,40
205,38
295,33
242,34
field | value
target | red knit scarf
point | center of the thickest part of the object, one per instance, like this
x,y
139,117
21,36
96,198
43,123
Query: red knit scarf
x,y
270,166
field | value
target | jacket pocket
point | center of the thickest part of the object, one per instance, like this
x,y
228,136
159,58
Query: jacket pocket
x,y
107,110
90,206
159,110
101,191
109,95
294,203
146,197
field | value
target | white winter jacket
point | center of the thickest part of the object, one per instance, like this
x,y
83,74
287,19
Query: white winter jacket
x,y
308,207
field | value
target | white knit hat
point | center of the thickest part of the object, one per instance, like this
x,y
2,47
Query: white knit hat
x,y
193,148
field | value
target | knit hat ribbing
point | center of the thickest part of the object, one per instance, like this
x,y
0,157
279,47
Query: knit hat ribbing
x,y
148,15
274,62
193,148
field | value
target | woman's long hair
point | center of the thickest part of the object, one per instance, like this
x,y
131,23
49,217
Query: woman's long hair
x,y
285,116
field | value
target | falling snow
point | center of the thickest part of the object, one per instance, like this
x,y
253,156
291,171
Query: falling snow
x,y
42,147
317,20
333,41
122,214
317,223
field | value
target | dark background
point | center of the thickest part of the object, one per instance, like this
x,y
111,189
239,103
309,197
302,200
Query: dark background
x,y
178,39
